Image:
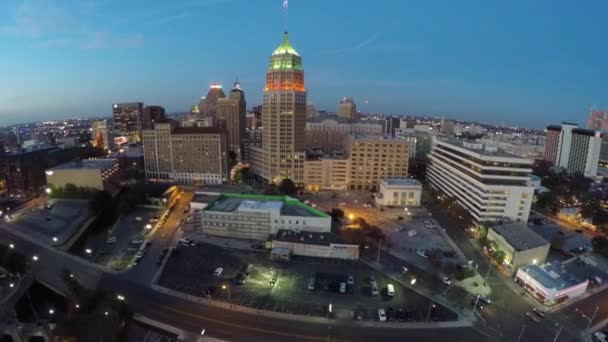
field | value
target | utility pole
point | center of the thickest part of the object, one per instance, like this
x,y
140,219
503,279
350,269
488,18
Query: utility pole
x,y
379,248
592,317
428,316
523,327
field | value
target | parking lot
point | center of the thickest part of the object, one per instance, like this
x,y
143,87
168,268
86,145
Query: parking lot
x,y
7,283
284,286
55,221
116,246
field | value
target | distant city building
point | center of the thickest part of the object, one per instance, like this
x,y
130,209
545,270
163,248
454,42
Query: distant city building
x,y
252,139
208,104
490,184
598,120
374,158
152,115
329,132
283,118
521,245
101,135
231,112
311,111
447,127
98,174
259,217
399,192
551,284
316,245
572,148
347,109
127,119
390,124
190,155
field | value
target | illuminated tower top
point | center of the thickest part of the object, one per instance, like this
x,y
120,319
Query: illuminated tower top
x,y
285,68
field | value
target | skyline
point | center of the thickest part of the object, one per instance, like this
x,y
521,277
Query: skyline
x,y
77,58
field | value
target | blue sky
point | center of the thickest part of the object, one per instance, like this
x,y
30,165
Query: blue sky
x,y
518,62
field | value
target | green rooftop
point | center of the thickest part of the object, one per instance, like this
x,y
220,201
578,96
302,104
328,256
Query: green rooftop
x,y
291,205
285,47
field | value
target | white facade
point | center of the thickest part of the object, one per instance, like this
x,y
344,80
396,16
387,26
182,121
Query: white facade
x,y
565,141
488,183
549,284
399,192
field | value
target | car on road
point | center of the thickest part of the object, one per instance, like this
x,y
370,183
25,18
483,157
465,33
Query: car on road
x,y
137,241
164,251
484,300
311,283
374,290
138,219
538,312
153,220
218,271
186,242
342,288
350,280
139,255
381,315
111,239
447,281
533,317
422,254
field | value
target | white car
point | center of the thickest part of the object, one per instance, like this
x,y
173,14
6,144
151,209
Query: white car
x,y
137,241
218,271
342,287
138,219
447,281
381,315
422,254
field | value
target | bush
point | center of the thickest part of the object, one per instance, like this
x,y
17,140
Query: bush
x,y
600,245
288,187
463,273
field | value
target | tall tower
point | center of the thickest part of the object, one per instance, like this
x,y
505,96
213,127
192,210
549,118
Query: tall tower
x,y
284,115
208,104
347,108
231,113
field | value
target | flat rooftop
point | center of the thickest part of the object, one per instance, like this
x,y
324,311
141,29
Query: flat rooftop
x,y
401,181
493,151
551,276
89,164
310,238
288,206
519,236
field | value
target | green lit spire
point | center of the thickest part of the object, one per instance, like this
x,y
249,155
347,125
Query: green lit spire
x,y
285,47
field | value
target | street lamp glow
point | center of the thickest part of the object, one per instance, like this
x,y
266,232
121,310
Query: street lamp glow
x,y
48,191
223,287
11,246
35,258
203,332
413,281
148,226
54,239
106,313
351,216
534,261
88,251
51,311
120,297
11,285
71,275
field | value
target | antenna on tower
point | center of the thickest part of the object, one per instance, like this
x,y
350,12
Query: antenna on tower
x,y
285,14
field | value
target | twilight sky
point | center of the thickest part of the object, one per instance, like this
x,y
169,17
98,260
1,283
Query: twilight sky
x,y
518,62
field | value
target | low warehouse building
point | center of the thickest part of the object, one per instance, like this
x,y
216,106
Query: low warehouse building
x,y
321,245
98,174
259,217
521,245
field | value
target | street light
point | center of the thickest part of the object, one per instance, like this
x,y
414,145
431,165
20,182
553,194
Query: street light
x,y
11,285
534,261
55,239
35,258
48,191
120,297
11,246
226,287
88,251
351,217
413,281
77,306
106,313
51,311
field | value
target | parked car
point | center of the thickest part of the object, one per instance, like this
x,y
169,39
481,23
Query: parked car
x,y
218,271
538,312
374,290
390,290
342,288
446,281
138,219
381,315
311,283
484,300
372,280
137,241
111,239
350,280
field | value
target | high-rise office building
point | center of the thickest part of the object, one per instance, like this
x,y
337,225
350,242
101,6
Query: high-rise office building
x,y
487,182
552,134
375,157
151,115
347,108
101,135
190,155
283,118
208,104
127,119
584,152
231,112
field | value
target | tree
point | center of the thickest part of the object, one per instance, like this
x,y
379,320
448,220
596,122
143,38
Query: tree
x,y
547,200
101,201
600,245
69,187
542,168
271,190
336,214
600,218
557,241
288,187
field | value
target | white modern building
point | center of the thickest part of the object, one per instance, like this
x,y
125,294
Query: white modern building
x,y
584,152
489,183
550,284
399,192
259,217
